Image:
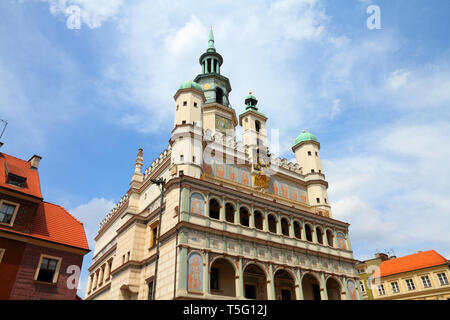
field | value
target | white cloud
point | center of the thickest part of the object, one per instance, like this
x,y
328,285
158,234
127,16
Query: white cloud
x,y
91,214
395,196
92,12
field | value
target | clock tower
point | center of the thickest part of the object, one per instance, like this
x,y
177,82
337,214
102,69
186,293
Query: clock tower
x,y
218,115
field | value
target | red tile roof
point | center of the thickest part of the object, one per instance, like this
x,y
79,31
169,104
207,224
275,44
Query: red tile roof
x,y
21,168
411,262
53,223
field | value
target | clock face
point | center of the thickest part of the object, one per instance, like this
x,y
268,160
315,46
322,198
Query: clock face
x,y
206,86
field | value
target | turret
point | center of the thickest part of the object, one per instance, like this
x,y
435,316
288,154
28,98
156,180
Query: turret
x,y
186,140
217,112
254,132
307,152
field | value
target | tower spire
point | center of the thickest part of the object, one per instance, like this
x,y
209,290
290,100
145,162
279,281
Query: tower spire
x,y
211,42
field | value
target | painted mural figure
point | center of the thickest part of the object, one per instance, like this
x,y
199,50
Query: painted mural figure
x,y
341,241
352,290
197,204
195,273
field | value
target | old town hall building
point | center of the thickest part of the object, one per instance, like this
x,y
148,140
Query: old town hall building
x,y
218,218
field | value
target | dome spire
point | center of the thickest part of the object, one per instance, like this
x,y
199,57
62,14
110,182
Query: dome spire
x,y
211,42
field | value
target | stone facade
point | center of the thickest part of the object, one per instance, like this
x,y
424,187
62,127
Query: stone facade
x,y
233,225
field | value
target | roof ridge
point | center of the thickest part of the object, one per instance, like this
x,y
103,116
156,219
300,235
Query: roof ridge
x,y
15,158
67,212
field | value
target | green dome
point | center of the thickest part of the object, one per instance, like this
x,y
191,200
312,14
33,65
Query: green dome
x,y
190,84
305,136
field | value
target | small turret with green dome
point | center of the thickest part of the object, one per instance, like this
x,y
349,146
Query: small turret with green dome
x,y
303,137
189,84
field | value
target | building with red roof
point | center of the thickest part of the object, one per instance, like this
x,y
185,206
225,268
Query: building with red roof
x,y
41,244
419,276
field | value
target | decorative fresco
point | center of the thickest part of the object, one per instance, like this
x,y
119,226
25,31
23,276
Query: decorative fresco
x,y
223,124
195,272
341,241
197,204
352,290
228,171
286,190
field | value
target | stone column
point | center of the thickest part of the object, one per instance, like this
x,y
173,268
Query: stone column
x,y
89,286
265,221
206,274
222,210
323,293
314,234
272,284
206,213
100,277
347,238
303,233
95,280
237,217
291,228
278,224
240,293
107,271
252,217
299,288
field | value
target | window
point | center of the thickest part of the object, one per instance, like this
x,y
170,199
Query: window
x,y
395,288
361,284
442,279
177,107
318,200
154,234
184,103
8,211
309,153
123,259
214,279
410,284
193,158
325,200
317,154
128,256
312,170
181,157
48,269
195,104
381,291
426,282
2,252
183,122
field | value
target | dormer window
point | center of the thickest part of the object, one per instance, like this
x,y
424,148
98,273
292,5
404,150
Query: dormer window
x,y
15,176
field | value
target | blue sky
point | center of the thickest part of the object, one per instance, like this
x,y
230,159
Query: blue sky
x,y
378,100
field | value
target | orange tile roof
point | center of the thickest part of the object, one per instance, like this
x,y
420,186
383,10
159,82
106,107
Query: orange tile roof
x,y
22,168
411,262
53,223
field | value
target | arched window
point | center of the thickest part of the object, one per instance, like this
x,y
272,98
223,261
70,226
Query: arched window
x,y
308,232
319,235
229,212
284,227
244,217
330,238
272,223
214,209
257,125
297,230
258,220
